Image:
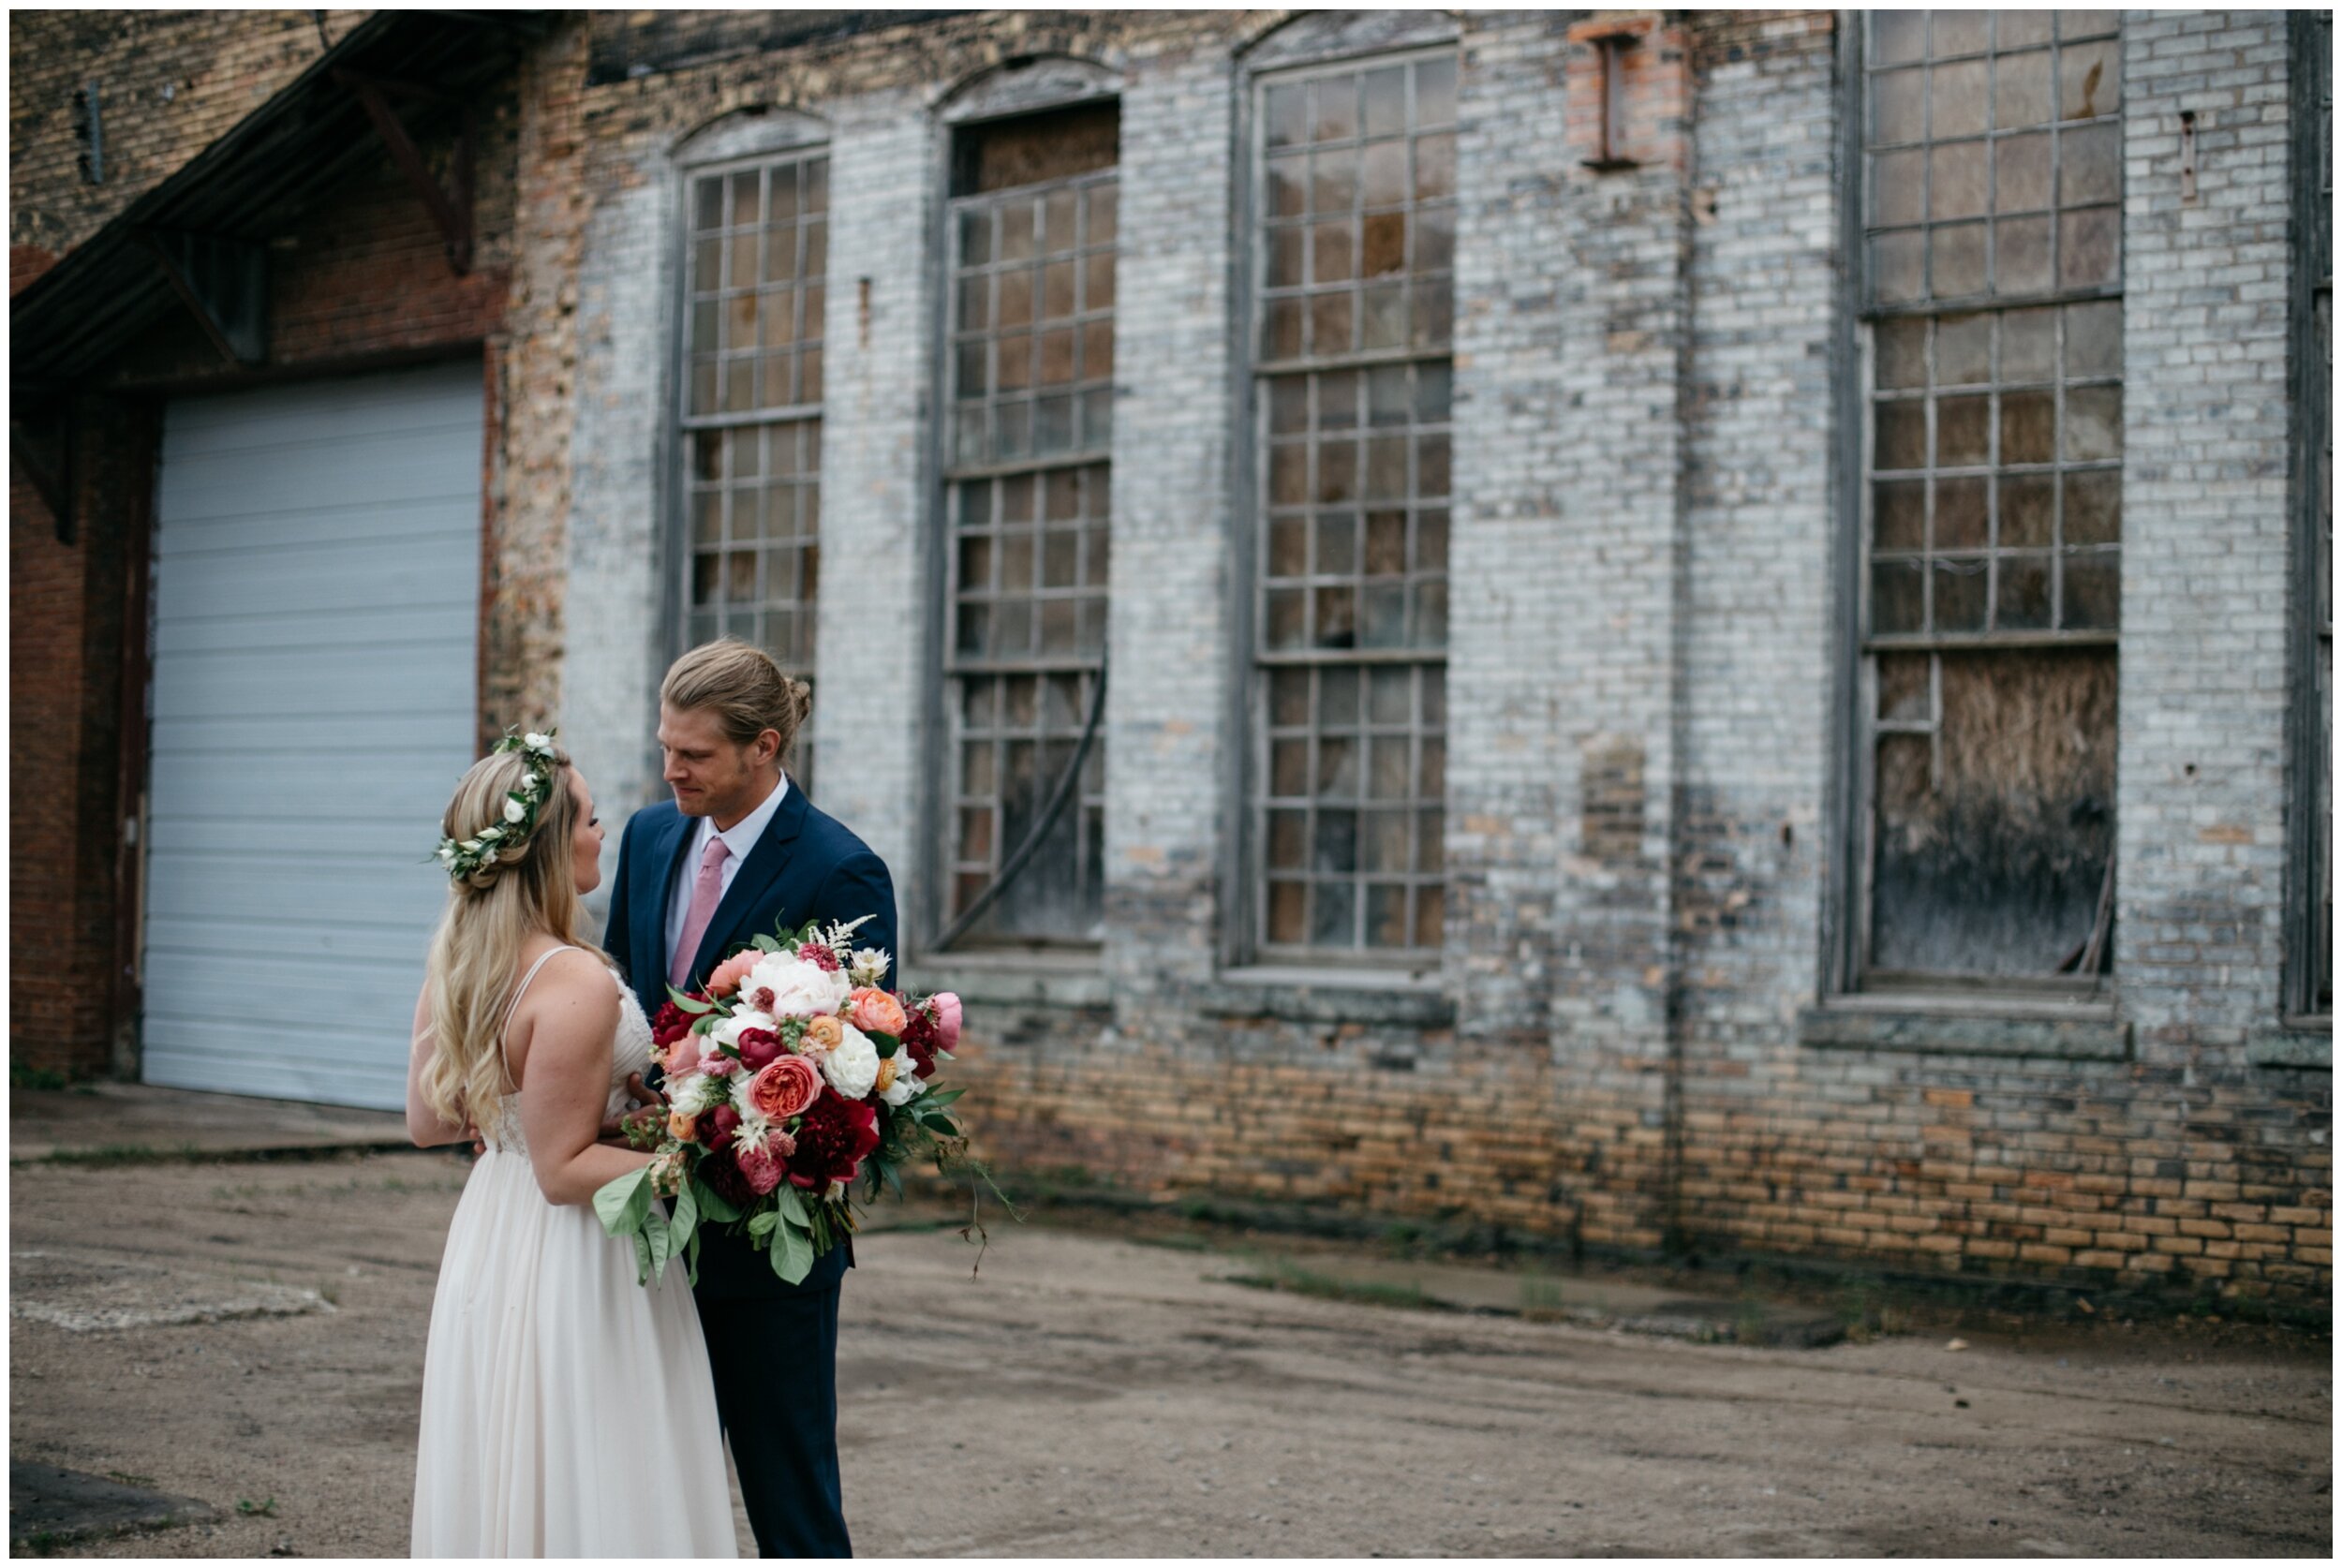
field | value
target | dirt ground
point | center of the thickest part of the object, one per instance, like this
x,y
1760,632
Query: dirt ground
x,y
1089,1393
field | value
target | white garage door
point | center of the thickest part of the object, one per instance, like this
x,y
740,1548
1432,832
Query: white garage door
x,y
317,590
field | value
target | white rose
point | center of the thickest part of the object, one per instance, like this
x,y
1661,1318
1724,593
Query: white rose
x,y
729,1031
854,1065
513,812
868,967
800,989
908,1085
537,742
701,1091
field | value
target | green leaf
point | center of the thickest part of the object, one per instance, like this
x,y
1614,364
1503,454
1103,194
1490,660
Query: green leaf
x,y
642,1258
792,1256
660,1235
713,1204
689,1004
692,1259
685,1222
935,1100
791,1209
765,943
944,1125
894,1178
621,1202
763,1223
887,1045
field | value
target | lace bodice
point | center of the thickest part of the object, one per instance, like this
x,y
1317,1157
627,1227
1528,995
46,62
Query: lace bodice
x,y
631,1051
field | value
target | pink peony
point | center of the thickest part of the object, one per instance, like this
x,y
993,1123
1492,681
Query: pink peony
x,y
875,1011
946,1020
785,1087
760,1165
681,1055
732,970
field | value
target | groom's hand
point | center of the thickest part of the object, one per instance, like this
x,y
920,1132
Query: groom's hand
x,y
646,1100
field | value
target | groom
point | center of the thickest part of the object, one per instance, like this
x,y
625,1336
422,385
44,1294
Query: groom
x,y
740,853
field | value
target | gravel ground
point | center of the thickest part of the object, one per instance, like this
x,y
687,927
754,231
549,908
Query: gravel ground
x,y
1087,1395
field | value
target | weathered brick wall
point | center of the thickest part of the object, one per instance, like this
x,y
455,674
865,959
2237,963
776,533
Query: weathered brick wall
x,y
169,85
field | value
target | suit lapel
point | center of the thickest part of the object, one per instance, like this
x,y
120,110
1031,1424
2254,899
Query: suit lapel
x,y
748,900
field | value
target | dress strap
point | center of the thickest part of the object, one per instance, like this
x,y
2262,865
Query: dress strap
x,y
514,1006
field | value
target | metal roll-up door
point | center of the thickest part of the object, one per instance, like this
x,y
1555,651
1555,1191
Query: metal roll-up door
x,y
317,593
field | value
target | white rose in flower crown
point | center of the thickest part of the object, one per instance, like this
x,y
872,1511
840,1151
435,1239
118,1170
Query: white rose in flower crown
x,y
854,1065
798,990
729,1031
868,967
908,1085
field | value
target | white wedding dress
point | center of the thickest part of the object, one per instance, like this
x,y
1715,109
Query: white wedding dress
x,y
566,1411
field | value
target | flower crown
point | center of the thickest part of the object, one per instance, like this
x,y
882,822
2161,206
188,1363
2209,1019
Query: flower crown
x,y
465,858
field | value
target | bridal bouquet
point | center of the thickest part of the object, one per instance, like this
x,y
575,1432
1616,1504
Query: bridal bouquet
x,y
789,1076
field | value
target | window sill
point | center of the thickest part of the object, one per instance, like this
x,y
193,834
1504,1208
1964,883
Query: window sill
x,y
1068,980
1314,995
2079,1030
2299,1041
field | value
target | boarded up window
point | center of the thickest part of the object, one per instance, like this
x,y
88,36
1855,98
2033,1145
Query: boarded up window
x,y
1354,224
1992,521
756,267
1028,489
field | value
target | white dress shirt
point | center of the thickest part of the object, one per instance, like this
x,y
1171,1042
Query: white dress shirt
x,y
739,838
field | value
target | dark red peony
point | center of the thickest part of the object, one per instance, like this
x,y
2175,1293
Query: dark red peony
x,y
720,1121
671,1025
722,1173
820,957
833,1140
919,1040
759,1049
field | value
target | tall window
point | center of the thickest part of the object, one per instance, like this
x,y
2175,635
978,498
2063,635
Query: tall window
x,y
752,416
1993,496
1029,485
1353,230
2312,979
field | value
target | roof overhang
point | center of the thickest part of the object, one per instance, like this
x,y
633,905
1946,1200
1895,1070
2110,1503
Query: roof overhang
x,y
198,239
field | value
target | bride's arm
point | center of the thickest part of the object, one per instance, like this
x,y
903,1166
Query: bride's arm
x,y
564,1081
422,1123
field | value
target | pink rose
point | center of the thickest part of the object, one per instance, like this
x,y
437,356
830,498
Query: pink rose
x,y
874,1012
757,1047
946,1020
785,1087
682,1055
732,970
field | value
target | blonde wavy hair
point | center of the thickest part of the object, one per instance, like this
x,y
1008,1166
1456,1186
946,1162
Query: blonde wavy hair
x,y
528,886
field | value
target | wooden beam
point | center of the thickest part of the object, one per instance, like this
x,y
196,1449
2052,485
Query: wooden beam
x,y
449,211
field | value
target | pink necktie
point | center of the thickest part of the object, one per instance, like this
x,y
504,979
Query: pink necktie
x,y
707,892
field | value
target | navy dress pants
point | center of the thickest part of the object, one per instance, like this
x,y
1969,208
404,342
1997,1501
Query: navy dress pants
x,y
782,1422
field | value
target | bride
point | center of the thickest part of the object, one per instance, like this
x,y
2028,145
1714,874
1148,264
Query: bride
x,y
566,1411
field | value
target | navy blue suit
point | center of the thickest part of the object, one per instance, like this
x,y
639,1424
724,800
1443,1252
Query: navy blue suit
x,y
783,1427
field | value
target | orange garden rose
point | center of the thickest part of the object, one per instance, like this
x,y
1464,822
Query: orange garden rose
x,y
682,1125
824,1034
734,970
875,1012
